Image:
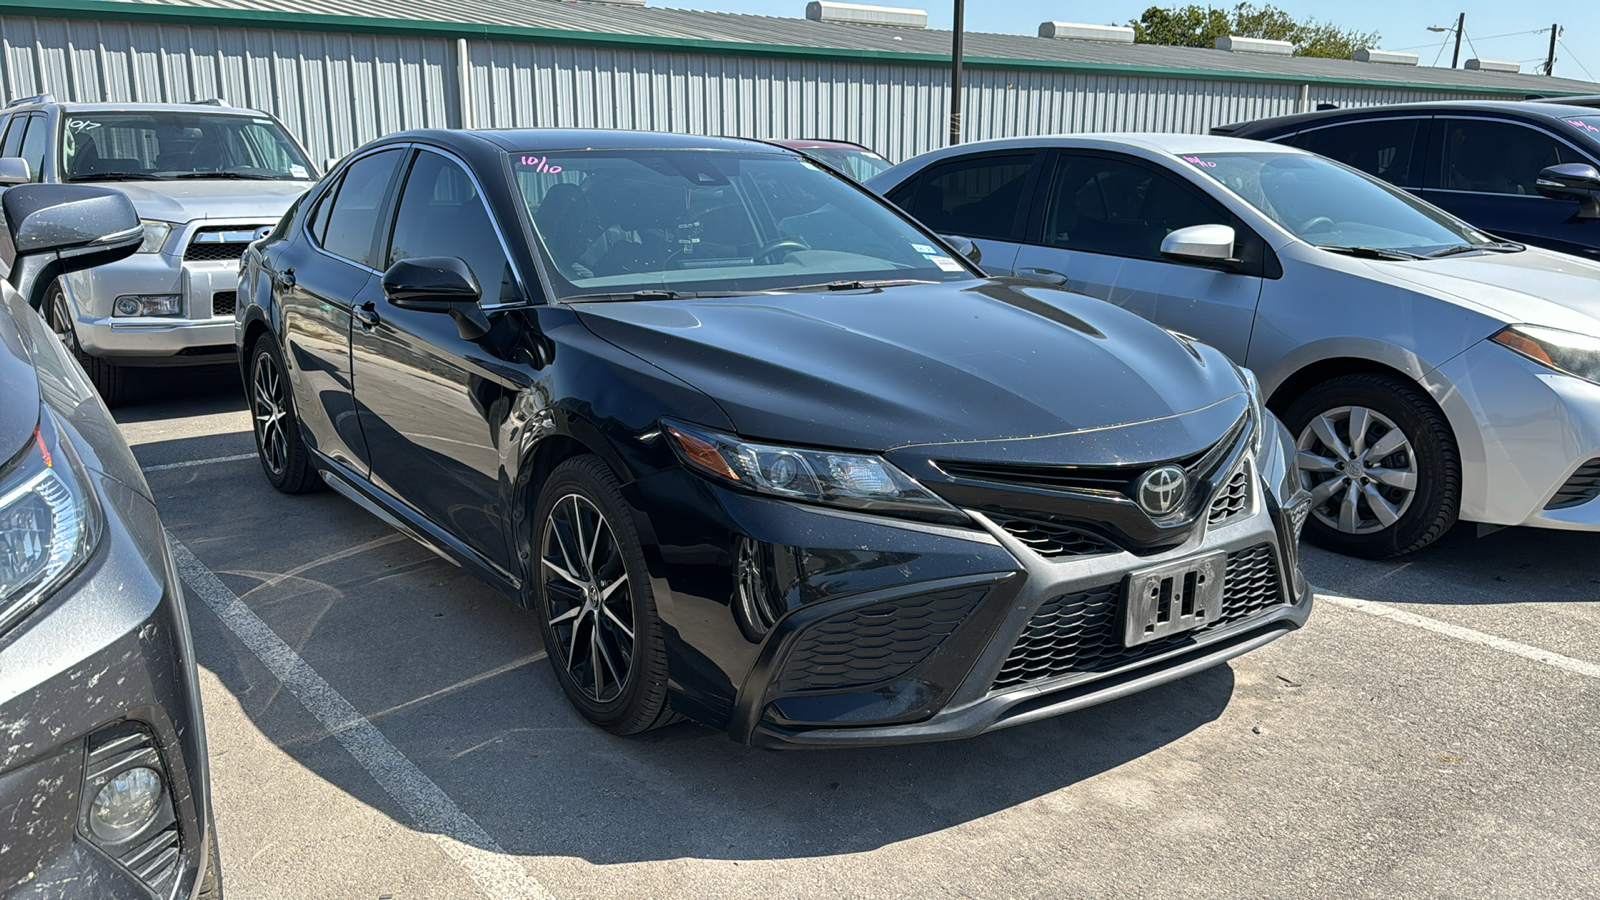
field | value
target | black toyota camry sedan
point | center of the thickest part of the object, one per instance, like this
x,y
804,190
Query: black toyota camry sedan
x,y
758,450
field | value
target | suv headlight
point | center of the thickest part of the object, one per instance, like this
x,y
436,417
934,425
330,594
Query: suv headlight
x,y
49,521
155,235
833,477
1565,351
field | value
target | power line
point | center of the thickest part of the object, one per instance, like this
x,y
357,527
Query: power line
x,y
1442,44
1470,44
1574,57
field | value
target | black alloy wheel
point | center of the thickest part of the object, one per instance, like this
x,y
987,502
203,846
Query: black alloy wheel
x,y
108,379
1380,462
284,456
596,610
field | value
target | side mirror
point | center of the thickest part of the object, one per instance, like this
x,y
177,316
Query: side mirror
x,y
14,171
1572,181
53,229
441,284
1206,245
965,247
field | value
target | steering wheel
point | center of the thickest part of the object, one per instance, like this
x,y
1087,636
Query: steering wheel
x,y
1316,223
784,247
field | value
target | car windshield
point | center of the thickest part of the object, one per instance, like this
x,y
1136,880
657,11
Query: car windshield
x,y
857,163
105,146
1333,206
1589,125
700,221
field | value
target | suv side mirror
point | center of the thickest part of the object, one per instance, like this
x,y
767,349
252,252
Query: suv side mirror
x,y
965,247
1205,245
53,229
442,284
14,170
1572,181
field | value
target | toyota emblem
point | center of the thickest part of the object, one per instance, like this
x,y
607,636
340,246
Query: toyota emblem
x,y
1162,490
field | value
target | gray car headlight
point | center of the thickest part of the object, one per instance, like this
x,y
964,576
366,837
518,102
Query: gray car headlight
x,y
1565,351
49,521
834,477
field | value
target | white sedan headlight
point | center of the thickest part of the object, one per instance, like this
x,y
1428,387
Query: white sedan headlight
x,y
1565,351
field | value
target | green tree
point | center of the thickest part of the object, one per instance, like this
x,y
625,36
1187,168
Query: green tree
x,y
1200,26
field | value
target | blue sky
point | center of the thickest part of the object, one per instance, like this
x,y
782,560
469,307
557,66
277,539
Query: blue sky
x,y
1492,27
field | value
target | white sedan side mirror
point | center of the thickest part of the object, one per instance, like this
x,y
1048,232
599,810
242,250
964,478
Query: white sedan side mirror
x,y
1204,244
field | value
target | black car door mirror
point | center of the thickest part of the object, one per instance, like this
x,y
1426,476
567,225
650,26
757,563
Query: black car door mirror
x,y
1572,181
14,171
53,229
442,284
1202,245
965,247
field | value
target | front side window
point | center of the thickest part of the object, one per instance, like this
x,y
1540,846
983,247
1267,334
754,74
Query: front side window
x,y
1100,205
160,146
11,141
441,214
1488,157
348,227
34,141
1328,205
974,197
1381,147
702,221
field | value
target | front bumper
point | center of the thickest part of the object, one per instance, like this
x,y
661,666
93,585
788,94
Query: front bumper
x,y
108,656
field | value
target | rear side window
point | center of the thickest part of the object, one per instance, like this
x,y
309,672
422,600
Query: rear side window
x,y
12,142
1381,147
974,197
1100,205
441,214
1489,157
351,220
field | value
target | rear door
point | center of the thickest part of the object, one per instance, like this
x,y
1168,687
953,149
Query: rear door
x,y
1100,230
1485,174
983,197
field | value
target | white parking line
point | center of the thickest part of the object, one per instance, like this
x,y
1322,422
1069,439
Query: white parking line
x,y
1471,636
431,809
199,462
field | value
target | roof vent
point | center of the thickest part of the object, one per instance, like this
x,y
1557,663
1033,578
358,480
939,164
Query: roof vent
x,y
1493,65
1385,57
859,14
614,2
1073,31
1236,44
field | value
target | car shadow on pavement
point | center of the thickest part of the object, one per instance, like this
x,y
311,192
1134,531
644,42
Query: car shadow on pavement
x,y
148,394
1514,565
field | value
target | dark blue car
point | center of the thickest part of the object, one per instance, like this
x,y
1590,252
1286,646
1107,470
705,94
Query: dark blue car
x,y
1527,171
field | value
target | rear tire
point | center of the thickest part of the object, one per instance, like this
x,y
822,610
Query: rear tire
x,y
285,458
108,379
1381,463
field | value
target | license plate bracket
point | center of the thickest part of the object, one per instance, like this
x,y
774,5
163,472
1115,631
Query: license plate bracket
x,y
1173,598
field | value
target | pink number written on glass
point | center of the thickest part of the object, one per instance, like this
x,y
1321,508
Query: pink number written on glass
x,y
541,164
1199,162
1579,123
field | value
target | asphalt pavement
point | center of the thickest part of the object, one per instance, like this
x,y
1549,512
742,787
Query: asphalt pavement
x,y
382,725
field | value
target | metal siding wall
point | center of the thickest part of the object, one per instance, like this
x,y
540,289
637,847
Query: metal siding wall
x,y
337,91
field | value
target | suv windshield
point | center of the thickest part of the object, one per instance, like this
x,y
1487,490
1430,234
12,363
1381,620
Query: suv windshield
x,y
173,145
1330,205
698,221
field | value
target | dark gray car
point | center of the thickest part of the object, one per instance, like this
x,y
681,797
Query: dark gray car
x,y
103,778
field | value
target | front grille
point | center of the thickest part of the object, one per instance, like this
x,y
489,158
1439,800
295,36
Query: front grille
x,y
1099,479
1583,486
223,303
219,243
1082,632
875,644
214,252
1050,539
1233,499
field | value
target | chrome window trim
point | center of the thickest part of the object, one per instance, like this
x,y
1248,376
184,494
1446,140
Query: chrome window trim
x,y
337,175
1343,122
499,233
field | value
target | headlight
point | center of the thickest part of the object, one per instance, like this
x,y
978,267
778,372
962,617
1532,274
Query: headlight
x,y
837,478
155,235
48,521
1258,409
1565,351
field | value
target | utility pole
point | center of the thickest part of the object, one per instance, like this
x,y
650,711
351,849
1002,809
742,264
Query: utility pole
x,y
1550,61
1461,24
955,76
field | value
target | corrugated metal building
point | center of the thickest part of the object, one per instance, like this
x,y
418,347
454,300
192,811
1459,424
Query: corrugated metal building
x,y
342,72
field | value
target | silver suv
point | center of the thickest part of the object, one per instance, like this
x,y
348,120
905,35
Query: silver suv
x,y
206,180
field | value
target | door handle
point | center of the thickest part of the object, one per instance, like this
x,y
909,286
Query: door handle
x,y
366,314
285,279
1047,276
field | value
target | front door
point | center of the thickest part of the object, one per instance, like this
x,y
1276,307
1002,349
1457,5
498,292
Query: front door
x,y
1102,225
432,404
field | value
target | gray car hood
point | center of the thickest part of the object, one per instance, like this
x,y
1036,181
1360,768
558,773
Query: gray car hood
x,y
1534,286
182,201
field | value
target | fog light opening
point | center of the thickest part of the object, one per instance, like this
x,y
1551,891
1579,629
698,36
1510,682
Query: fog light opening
x,y
127,804
754,607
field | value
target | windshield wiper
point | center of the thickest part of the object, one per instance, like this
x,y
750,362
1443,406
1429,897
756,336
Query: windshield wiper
x,y
857,285
115,176
1495,247
242,176
1371,252
628,295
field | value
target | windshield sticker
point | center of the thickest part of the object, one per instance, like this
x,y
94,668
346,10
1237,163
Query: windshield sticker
x,y
945,264
1199,162
1579,123
81,125
541,164
924,249
299,172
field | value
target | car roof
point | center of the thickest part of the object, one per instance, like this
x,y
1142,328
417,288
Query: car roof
x,y
815,143
546,139
1164,144
206,108
1546,109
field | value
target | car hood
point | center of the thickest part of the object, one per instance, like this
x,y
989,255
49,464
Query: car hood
x,y
1535,286
183,201
988,361
19,382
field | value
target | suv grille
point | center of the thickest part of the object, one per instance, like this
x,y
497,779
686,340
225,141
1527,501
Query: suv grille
x,y
1232,500
214,243
1082,632
875,644
1050,540
223,303
1583,486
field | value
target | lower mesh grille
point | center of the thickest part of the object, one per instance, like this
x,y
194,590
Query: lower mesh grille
x,y
1233,499
1583,486
223,303
1050,540
1082,632
875,644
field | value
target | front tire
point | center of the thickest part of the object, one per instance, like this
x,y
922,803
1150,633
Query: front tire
x,y
108,379
596,612
285,458
1380,462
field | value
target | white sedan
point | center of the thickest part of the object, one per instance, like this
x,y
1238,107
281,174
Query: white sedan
x,y
1429,371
